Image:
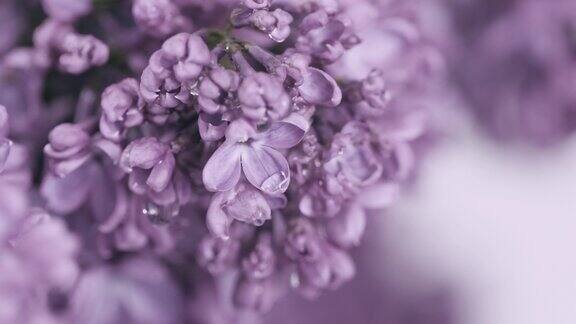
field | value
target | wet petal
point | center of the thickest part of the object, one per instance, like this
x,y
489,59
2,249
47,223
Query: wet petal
x,y
247,205
222,171
286,133
64,195
144,153
216,220
266,169
319,88
162,173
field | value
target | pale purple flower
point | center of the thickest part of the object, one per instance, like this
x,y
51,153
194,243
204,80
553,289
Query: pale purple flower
x,y
257,4
158,17
352,159
243,203
213,90
372,95
173,72
314,86
68,148
150,164
325,36
255,155
275,23
184,55
263,97
229,157
303,242
121,109
257,295
260,263
133,224
81,52
333,268
164,92
217,255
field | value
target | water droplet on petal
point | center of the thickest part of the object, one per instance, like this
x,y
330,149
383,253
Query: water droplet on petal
x,y
194,88
276,183
160,215
294,280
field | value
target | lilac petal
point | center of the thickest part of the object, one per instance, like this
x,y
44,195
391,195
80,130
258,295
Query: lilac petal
x,y
109,129
379,196
5,146
286,133
347,228
319,88
111,149
165,197
266,169
216,220
64,195
222,171
342,267
118,214
256,295
182,187
68,137
137,181
64,168
277,202
162,173
210,128
240,131
248,205
144,153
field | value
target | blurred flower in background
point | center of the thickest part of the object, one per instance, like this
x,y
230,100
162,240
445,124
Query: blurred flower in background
x,y
515,62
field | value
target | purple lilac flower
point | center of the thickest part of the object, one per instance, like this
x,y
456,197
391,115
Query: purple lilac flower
x,y
122,108
275,23
158,17
209,155
80,52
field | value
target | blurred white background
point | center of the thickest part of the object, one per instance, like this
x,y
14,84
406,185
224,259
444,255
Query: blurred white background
x,y
496,224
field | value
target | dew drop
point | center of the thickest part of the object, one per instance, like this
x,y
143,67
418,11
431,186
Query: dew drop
x,y
194,89
294,280
277,182
160,215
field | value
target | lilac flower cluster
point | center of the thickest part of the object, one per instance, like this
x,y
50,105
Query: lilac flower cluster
x,y
162,151
516,65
